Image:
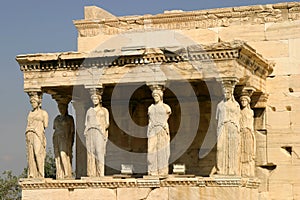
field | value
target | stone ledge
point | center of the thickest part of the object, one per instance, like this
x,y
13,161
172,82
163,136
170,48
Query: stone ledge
x,y
109,182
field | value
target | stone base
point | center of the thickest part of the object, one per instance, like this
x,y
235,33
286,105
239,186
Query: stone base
x,y
148,189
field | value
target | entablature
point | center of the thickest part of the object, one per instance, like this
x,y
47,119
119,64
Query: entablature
x,y
223,59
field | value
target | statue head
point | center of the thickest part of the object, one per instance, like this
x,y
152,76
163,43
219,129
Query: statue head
x,y
245,101
63,108
35,101
96,95
96,99
157,95
228,92
228,85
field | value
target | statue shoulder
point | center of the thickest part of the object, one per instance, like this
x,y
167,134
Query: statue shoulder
x,y
220,104
44,112
70,117
236,103
105,109
150,107
56,118
90,110
167,107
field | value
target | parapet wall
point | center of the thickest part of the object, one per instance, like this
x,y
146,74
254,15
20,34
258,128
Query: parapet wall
x,y
101,23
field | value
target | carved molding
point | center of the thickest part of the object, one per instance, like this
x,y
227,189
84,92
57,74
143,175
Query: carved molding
x,y
191,182
148,183
30,184
223,182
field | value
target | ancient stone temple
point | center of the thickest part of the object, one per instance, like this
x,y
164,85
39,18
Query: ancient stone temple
x,y
180,105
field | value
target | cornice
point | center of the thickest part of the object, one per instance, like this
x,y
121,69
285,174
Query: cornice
x,y
222,51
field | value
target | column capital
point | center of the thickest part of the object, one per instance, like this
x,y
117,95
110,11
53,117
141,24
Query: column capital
x,y
157,85
61,98
33,89
93,86
96,89
247,91
36,95
228,81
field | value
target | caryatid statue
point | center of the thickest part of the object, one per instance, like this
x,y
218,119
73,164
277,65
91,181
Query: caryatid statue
x,y
228,131
158,134
63,139
248,141
96,133
37,121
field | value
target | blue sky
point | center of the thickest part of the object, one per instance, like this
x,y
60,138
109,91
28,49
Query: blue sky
x,y
35,26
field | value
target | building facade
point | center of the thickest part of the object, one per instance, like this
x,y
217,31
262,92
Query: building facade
x,y
193,55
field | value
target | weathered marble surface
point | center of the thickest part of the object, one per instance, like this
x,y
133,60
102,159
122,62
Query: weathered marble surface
x,y
272,30
248,141
158,135
37,121
228,131
96,133
63,140
135,189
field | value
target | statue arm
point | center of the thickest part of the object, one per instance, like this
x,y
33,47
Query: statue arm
x,y
254,144
106,118
86,122
55,122
148,114
46,118
218,112
238,116
252,122
27,127
149,108
253,134
72,125
72,130
168,109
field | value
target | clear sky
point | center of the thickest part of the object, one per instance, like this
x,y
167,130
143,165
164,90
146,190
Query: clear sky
x,y
35,26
